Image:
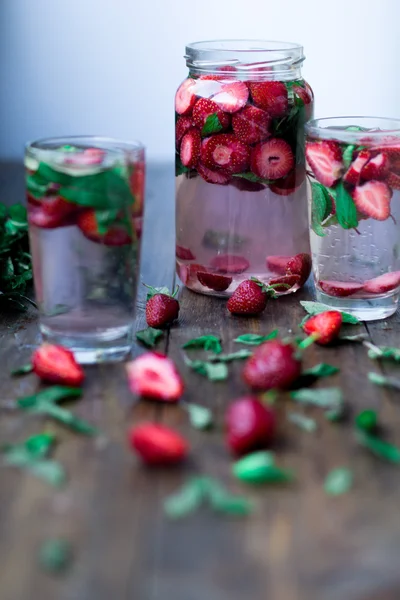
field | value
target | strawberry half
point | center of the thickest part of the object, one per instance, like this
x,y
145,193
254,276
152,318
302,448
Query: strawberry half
x,y
353,174
299,265
116,235
182,126
249,424
326,326
185,97
377,168
340,289
249,298
157,444
285,283
229,263
325,160
188,273
153,375
190,148
289,184
161,309
51,212
271,96
216,282
393,181
251,125
184,253
232,96
382,284
277,264
372,199
56,364
204,108
211,176
274,364
272,159
225,151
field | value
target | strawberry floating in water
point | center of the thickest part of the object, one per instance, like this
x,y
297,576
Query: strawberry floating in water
x,y
251,125
249,298
307,96
250,425
229,263
284,283
225,151
325,159
116,234
184,253
353,174
393,181
212,176
214,281
274,364
325,327
188,273
157,444
384,283
272,159
271,96
182,126
51,212
90,156
277,264
56,364
376,168
161,309
340,289
299,265
232,96
190,148
372,199
204,108
289,184
153,375
185,98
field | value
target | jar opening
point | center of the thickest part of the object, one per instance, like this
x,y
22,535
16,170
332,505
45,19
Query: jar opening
x,y
353,129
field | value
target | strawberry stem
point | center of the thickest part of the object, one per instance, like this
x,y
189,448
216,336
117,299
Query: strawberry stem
x,y
308,341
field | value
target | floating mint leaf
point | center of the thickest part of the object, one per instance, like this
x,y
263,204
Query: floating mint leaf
x,y
213,371
200,416
321,207
259,467
22,370
330,399
315,308
379,447
210,343
55,555
378,379
149,336
347,155
383,352
338,481
346,212
321,370
212,125
305,423
239,355
187,500
252,177
253,339
367,420
224,502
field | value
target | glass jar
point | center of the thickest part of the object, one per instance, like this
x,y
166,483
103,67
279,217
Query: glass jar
x,y
241,191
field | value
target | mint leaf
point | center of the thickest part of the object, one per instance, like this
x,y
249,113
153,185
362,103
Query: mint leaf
x,y
347,155
224,502
51,394
149,336
321,370
200,416
321,207
315,308
346,212
187,500
367,420
213,371
390,382
338,481
239,355
359,337
55,555
253,339
259,467
252,177
212,125
330,399
22,370
382,352
379,447
305,423
210,343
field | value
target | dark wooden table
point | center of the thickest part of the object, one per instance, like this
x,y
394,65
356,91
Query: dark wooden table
x,y
299,544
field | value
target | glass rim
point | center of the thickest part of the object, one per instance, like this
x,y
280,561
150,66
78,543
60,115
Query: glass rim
x,y
316,128
212,45
113,143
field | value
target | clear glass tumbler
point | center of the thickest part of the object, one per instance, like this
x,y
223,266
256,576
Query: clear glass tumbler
x,y
354,166
85,204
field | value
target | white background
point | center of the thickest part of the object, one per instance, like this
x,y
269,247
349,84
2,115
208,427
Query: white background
x,y
112,66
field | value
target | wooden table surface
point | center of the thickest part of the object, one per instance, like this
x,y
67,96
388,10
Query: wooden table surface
x,y
299,544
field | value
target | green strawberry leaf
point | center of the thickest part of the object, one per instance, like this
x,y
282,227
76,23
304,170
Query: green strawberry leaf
x,y
346,212
149,336
210,343
379,447
321,370
303,422
330,399
212,125
315,308
338,481
259,467
55,555
253,339
22,370
390,382
347,156
382,352
200,416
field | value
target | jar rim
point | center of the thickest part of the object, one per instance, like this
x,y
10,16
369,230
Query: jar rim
x,y
233,45
337,127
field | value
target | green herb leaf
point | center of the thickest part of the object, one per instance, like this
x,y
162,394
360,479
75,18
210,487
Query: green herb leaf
x,y
224,502
55,555
252,177
22,370
315,308
346,212
253,339
187,500
390,382
51,394
259,467
379,447
367,420
305,423
383,352
359,337
330,399
180,169
200,416
213,371
347,155
239,355
338,481
149,336
321,370
212,125
321,207
210,343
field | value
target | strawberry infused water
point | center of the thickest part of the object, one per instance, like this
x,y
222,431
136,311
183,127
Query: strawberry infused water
x,y
85,203
355,213
241,190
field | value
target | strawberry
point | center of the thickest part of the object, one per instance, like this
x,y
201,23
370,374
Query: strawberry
x,y
232,96
325,327
40,217
229,263
56,364
204,108
90,156
249,424
325,160
382,284
299,265
251,125
307,96
138,226
274,364
271,96
225,151
377,168
188,273
137,184
285,283
393,181
190,148
182,126
372,199
353,173
116,235
249,298
394,163
277,264
185,97
211,176
184,253
161,309
216,282
289,184
153,375
157,444
340,289
272,159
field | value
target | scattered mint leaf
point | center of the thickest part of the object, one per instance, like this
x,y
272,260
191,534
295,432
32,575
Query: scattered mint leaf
x,y
346,212
269,397
338,481
259,467
149,336
239,355
305,423
200,416
367,420
224,502
22,370
55,555
252,177
390,382
187,500
378,446
212,125
253,339
359,337
213,371
321,370
321,207
347,155
315,308
330,399
210,343
383,352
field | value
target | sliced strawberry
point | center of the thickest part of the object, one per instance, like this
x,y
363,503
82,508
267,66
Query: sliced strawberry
x,y
277,264
251,125
274,364
393,181
353,174
249,298
249,424
182,126
153,375
216,282
272,159
184,253
372,199
161,310
289,184
232,97
340,289
377,168
225,151
325,326
394,163
211,176
188,273
137,184
307,96
40,217
229,263
271,96
205,107
190,148
382,284
325,160
285,283
157,444
299,265
56,364
116,235
185,97
90,156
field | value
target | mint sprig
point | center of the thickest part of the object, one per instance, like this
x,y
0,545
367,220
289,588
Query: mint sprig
x,y
382,352
209,342
149,336
254,339
330,399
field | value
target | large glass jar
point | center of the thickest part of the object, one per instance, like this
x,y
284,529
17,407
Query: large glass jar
x,y
241,197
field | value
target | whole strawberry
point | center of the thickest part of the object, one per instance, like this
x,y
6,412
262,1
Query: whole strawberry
x,y
249,298
157,444
274,364
325,326
250,425
162,308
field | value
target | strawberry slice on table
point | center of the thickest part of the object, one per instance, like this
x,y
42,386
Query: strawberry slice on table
x,y
340,289
153,375
272,159
285,283
229,263
190,148
249,298
157,444
271,96
161,309
372,199
289,184
249,424
116,235
232,96
325,327
225,151
251,125
377,168
56,364
300,265
214,281
182,126
325,160
382,284
205,107
185,98
353,174
184,253
274,364
277,264
213,176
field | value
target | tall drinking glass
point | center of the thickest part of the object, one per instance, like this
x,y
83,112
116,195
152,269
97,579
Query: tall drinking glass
x,y
85,204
